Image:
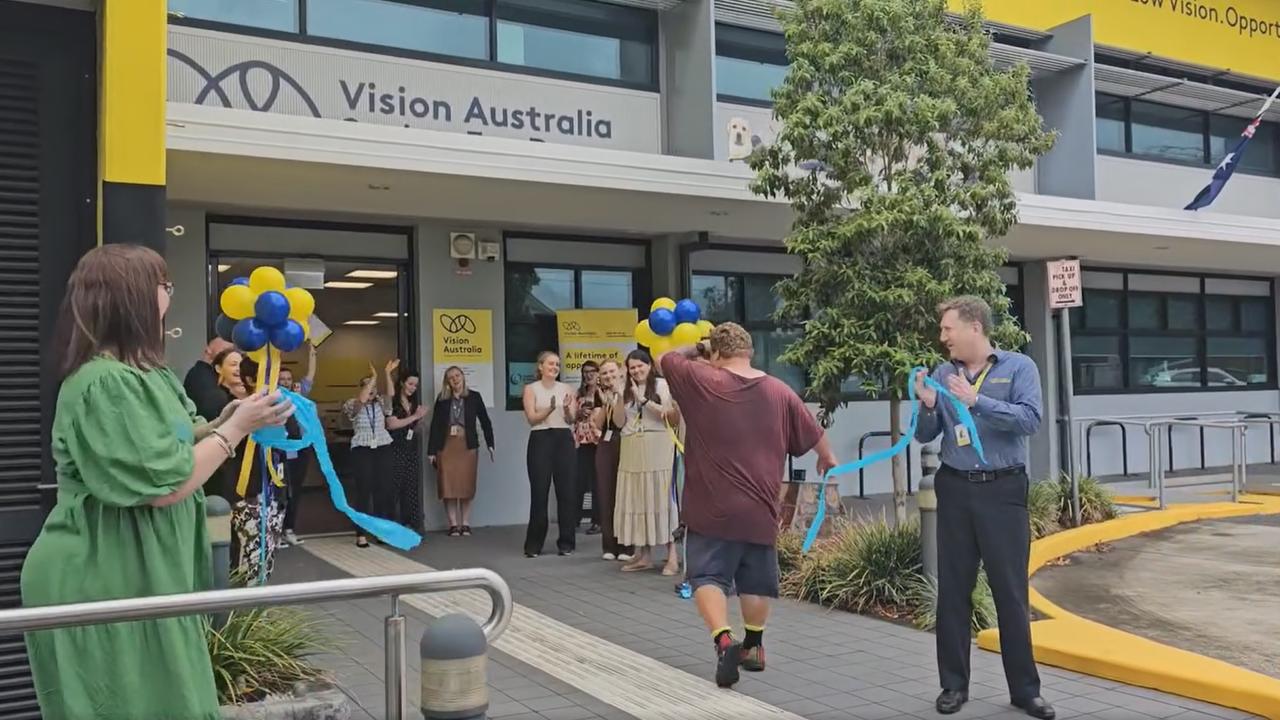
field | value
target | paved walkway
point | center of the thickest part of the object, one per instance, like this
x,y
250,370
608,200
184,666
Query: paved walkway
x,y
589,642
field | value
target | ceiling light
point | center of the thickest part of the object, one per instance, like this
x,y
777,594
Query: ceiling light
x,y
389,314
362,322
223,268
343,285
374,274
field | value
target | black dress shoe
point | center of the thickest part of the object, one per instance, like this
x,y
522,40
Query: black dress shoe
x,y
950,701
1036,707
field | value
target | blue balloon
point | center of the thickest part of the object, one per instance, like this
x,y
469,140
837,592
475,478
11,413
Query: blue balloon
x,y
288,337
271,309
249,335
687,311
240,281
225,327
662,321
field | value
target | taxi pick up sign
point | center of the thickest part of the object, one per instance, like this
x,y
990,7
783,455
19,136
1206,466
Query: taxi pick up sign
x,y
1065,284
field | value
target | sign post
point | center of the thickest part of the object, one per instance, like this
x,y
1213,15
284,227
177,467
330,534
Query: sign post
x,y
1065,292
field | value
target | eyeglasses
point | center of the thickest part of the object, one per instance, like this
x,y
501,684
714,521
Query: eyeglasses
x,y
168,288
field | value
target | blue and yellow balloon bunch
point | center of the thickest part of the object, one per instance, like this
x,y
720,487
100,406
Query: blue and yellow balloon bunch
x,y
259,312
671,325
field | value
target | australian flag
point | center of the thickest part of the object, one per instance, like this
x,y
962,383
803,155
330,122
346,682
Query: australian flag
x,y
1227,167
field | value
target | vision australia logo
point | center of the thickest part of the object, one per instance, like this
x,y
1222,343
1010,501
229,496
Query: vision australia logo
x,y
260,99
457,323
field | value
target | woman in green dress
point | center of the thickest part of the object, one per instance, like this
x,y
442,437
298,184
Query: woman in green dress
x,y
132,457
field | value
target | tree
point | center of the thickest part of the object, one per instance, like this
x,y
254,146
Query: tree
x,y
897,139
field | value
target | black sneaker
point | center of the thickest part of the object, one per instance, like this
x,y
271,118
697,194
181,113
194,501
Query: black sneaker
x,y
727,674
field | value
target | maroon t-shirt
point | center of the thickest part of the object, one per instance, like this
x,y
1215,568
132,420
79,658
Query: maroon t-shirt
x,y
738,433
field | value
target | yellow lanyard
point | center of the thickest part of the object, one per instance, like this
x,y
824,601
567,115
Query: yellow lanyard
x,y
977,385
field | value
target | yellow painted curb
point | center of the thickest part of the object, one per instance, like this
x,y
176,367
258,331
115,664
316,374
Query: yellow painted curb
x,y
1072,642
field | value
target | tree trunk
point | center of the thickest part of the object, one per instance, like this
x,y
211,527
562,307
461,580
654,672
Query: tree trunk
x,y
899,465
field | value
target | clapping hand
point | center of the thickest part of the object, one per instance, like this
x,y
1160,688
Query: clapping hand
x,y
391,366
962,390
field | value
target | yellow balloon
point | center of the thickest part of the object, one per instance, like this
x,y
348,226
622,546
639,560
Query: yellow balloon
x,y
237,302
663,302
704,329
259,356
661,345
306,329
644,335
684,335
301,303
266,278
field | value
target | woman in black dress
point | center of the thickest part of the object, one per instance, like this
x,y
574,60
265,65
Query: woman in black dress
x,y
407,412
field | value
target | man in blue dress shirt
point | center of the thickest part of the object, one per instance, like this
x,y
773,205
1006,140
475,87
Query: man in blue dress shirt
x,y
982,506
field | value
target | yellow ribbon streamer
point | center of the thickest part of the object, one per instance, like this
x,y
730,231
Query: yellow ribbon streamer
x,y
242,484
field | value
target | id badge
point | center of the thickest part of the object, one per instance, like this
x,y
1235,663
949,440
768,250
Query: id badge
x,y
454,430
409,435
608,435
962,435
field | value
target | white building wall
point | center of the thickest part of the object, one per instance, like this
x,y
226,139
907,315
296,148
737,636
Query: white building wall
x,y
1167,185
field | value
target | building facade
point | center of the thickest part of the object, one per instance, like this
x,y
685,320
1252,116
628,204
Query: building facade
x,y
592,151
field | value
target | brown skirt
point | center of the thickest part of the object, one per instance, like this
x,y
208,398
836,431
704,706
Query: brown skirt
x,y
457,469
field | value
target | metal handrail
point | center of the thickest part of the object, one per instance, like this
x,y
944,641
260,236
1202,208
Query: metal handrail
x,y
862,472
1088,444
51,617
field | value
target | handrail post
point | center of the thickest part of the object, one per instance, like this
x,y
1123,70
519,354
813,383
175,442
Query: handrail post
x,y
395,663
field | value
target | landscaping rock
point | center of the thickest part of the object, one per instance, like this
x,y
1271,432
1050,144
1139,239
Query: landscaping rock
x,y
308,702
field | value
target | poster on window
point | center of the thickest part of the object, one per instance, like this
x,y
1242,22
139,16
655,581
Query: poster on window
x,y
464,338
597,335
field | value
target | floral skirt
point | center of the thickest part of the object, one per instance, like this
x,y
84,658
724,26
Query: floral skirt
x,y
246,523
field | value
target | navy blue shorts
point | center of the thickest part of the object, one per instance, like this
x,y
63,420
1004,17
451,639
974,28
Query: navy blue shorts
x,y
731,565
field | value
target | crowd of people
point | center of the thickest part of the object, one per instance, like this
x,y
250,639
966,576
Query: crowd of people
x,y
135,449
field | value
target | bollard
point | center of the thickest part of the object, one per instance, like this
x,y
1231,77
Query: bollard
x,y
217,515
927,502
455,684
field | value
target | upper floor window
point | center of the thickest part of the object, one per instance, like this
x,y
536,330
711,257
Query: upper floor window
x,y
576,38
750,301
1180,135
749,63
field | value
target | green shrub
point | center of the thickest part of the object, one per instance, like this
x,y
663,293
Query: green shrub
x,y
264,651
1044,506
924,604
870,566
1097,504
790,556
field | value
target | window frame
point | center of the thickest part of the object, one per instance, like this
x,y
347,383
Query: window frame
x,y
716,54
1206,120
739,309
1125,332
641,287
489,63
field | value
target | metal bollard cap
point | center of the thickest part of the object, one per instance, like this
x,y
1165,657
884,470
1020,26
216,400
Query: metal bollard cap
x,y
453,637
216,506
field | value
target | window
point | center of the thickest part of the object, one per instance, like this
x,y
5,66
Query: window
x,y
581,38
533,295
750,301
279,15
1141,331
749,63
447,27
1163,132
578,37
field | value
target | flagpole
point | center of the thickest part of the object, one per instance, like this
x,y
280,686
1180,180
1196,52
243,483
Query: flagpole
x,y
1267,104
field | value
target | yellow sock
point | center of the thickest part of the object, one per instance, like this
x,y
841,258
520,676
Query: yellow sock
x,y
715,634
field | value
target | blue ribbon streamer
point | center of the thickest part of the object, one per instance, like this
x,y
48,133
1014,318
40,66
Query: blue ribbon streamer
x,y
393,534
962,411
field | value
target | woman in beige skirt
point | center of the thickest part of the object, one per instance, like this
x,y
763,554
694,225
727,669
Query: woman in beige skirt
x,y
645,514
453,447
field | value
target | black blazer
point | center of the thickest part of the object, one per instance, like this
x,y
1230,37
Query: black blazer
x,y
472,410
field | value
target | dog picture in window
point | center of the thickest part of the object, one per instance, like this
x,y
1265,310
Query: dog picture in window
x,y
741,141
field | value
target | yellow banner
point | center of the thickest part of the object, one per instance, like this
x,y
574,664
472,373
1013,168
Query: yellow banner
x,y
462,336
597,335
1242,36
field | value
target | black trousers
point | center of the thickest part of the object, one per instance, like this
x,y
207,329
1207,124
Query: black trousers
x,y
987,522
587,483
373,483
295,473
552,459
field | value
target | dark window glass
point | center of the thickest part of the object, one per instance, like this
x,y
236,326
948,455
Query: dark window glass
x,y
1169,133
760,299
579,37
1220,313
1095,362
1110,123
1255,315
750,300
749,63
605,289
279,15
1260,155
1237,361
1146,311
1182,312
717,295
448,27
1156,361
1101,309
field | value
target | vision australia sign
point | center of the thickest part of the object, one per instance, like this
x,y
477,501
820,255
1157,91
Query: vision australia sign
x,y
248,73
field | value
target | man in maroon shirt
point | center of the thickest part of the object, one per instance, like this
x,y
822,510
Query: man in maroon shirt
x,y
741,424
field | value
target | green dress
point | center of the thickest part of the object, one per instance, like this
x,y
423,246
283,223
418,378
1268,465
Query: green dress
x,y
121,438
